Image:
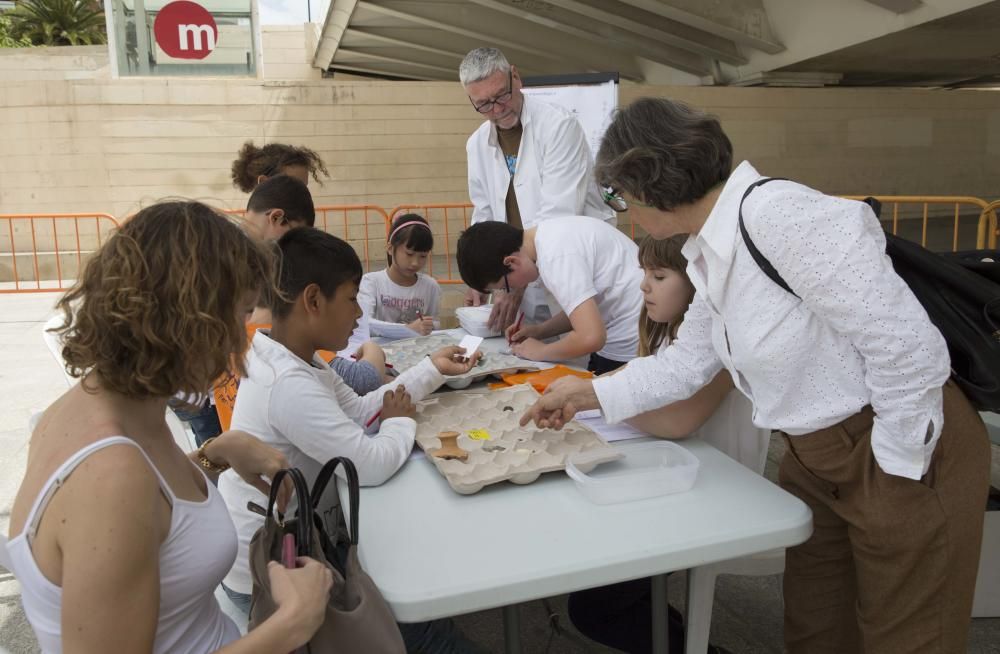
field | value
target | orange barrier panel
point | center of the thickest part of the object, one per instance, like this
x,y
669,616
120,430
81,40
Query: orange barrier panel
x,y
989,231
918,207
364,226
52,246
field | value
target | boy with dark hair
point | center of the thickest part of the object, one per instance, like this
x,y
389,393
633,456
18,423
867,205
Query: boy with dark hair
x,y
291,399
588,266
277,205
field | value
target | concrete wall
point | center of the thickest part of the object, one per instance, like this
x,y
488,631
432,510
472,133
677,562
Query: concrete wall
x,y
114,145
76,141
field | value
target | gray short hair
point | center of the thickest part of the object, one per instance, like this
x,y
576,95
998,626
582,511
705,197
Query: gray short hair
x,y
480,64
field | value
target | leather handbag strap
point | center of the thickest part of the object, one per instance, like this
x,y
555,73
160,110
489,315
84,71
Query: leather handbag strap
x,y
304,515
353,489
757,255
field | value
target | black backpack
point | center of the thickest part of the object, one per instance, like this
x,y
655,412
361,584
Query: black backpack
x,y
960,292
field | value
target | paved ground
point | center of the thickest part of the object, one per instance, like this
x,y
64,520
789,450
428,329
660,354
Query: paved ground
x,y
747,617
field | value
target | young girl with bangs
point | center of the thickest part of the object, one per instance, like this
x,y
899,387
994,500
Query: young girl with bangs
x,y
401,301
117,535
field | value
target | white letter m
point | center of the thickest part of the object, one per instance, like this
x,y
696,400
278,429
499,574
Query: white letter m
x,y
196,32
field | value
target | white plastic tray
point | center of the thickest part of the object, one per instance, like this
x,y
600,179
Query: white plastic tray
x,y
645,470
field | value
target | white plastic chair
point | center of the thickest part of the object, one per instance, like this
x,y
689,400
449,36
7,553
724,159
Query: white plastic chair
x,y
182,435
730,430
701,592
54,343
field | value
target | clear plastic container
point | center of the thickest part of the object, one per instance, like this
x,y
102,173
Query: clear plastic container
x,y
473,320
646,470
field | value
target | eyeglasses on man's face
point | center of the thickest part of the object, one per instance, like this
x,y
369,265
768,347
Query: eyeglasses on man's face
x,y
501,99
614,199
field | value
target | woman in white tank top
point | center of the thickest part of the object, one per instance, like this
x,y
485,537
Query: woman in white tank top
x,y
117,537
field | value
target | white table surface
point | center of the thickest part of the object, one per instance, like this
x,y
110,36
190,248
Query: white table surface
x,y
435,553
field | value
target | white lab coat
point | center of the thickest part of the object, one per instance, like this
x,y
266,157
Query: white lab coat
x,y
554,175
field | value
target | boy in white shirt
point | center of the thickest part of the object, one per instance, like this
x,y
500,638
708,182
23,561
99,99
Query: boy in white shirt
x,y
294,402
589,267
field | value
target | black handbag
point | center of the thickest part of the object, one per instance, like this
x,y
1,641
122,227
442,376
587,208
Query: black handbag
x,y
960,292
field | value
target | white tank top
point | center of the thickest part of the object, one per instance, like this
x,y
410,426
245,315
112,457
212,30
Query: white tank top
x,y
197,553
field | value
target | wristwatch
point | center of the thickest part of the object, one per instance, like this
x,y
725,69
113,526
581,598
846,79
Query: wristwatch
x,y
206,462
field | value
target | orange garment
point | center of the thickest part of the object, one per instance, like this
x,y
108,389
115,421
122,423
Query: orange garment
x,y
540,379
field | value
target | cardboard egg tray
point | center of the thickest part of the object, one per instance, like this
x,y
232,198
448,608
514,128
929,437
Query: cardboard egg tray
x,y
495,447
406,353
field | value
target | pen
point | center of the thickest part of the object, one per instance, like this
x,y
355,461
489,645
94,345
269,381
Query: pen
x,y
517,326
373,419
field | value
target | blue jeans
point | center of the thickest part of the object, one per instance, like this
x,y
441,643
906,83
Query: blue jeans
x,y
241,600
361,376
204,422
434,637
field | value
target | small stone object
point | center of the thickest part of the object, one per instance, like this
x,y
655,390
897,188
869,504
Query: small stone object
x,y
508,408
449,447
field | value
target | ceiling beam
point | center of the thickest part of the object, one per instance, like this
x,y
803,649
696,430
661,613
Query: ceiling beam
x,y
458,18
654,27
389,37
563,21
742,21
338,16
350,54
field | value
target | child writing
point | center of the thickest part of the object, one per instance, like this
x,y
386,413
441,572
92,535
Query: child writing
x,y
294,402
619,615
587,265
401,301
277,205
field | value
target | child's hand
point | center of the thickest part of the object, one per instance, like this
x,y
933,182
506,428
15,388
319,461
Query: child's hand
x,y
517,334
422,326
530,348
397,404
369,349
451,360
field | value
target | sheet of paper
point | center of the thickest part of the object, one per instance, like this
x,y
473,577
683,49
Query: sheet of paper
x,y
610,433
471,344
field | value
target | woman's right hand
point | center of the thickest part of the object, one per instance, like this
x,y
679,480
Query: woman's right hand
x,y
397,404
302,595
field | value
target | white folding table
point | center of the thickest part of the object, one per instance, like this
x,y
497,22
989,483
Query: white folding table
x,y
434,553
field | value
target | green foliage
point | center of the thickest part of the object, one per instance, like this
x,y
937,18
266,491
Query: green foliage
x,y
58,22
7,38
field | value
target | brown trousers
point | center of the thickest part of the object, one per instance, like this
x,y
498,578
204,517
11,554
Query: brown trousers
x,y
891,565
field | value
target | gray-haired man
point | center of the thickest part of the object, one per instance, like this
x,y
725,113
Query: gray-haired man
x,y
528,162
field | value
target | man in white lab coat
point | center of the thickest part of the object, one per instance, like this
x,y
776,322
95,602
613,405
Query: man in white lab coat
x,y
528,162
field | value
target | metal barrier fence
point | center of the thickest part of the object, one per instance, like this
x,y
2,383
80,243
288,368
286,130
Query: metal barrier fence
x,y
46,252
989,229
903,210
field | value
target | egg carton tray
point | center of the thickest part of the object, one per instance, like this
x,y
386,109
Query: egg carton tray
x,y
496,448
406,353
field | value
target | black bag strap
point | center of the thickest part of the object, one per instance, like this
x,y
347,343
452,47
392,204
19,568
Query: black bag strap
x,y
757,255
304,515
353,489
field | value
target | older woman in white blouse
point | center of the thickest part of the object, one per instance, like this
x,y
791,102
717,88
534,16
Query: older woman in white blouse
x,y
888,453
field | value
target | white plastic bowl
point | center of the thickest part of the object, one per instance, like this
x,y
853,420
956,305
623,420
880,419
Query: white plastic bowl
x,y
474,319
646,470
